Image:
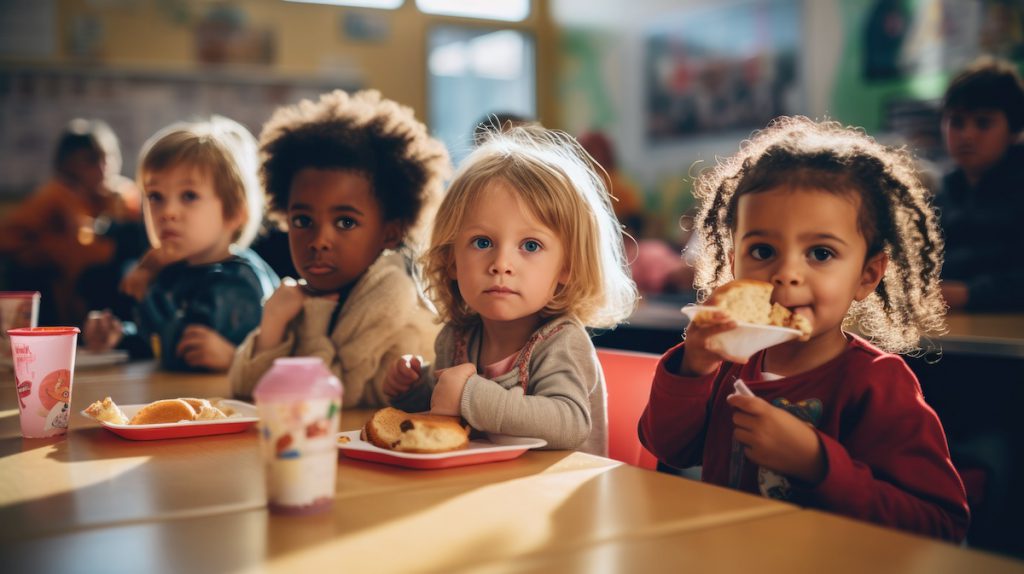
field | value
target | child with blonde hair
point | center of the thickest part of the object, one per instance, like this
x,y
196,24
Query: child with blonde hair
x,y
525,255
843,230
355,180
202,207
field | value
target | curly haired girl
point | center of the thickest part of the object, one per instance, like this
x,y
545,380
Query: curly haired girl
x,y
354,178
526,253
844,231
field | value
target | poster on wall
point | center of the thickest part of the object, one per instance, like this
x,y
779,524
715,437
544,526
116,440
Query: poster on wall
x,y
732,66
904,39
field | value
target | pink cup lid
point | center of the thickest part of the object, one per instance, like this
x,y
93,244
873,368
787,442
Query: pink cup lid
x,y
42,331
18,294
293,378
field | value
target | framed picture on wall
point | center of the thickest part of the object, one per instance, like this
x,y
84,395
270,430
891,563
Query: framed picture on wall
x,y
731,66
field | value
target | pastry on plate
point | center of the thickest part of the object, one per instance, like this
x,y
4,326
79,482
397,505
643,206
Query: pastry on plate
x,y
165,411
393,429
106,411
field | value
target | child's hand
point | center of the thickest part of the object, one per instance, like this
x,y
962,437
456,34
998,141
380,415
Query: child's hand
x,y
777,440
447,397
283,306
402,374
136,282
286,302
102,331
201,346
703,353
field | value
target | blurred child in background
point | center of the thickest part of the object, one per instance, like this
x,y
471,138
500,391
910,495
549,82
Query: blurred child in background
x,y
202,207
72,223
982,200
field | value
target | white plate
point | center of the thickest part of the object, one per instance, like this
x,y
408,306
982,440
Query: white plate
x,y
494,448
747,338
184,429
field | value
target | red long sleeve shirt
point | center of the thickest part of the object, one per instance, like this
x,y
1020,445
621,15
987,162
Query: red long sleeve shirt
x,y
884,447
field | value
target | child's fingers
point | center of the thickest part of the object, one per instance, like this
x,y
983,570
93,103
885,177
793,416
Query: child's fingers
x,y
416,364
405,374
750,405
194,330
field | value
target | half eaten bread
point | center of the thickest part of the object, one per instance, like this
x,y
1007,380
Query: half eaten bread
x,y
106,411
750,301
393,429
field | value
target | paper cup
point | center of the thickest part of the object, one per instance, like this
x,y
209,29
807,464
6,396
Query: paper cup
x,y
44,368
17,309
747,338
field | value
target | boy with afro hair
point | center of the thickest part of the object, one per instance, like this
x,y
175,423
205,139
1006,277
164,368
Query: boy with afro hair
x,y
355,180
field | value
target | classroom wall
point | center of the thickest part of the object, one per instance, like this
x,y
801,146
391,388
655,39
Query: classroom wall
x,y
87,55
602,79
308,40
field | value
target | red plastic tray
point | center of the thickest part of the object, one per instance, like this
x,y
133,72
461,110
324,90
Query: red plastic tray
x,y
184,429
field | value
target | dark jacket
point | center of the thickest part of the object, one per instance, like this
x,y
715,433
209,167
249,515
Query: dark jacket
x,y
983,232
226,296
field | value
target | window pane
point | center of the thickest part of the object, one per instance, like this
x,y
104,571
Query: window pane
x,y
508,10
385,4
473,73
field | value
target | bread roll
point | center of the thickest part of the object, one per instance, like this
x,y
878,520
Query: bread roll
x,y
165,411
407,432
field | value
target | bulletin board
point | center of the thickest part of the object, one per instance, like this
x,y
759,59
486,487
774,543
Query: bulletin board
x,y
37,102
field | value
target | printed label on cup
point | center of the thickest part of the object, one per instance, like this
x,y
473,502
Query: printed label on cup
x,y
44,362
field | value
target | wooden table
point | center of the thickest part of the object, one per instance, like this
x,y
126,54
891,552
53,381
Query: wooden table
x,y
95,502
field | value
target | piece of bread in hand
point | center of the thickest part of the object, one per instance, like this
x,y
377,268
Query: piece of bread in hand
x,y
106,411
165,411
393,429
750,301
743,300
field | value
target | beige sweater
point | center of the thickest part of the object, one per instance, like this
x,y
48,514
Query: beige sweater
x,y
382,319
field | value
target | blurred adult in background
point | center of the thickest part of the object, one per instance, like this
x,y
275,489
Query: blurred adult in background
x,y
656,266
628,203
981,202
70,224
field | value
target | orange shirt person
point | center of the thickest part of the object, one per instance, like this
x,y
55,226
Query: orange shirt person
x,y
52,235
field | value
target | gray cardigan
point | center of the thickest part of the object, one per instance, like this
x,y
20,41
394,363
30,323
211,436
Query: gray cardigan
x,y
555,390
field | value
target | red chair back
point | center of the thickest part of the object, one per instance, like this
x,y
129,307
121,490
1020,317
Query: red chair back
x,y
628,376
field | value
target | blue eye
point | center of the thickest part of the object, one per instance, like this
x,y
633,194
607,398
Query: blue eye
x,y
345,222
531,246
300,221
761,252
155,197
481,243
822,254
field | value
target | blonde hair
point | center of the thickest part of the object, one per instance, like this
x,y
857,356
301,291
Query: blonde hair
x,y
562,186
222,148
